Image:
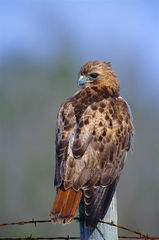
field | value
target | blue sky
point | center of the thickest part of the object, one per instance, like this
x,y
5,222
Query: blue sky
x,y
117,31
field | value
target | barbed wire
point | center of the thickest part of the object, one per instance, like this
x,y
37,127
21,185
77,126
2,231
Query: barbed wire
x,y
68,237
40,238
35,222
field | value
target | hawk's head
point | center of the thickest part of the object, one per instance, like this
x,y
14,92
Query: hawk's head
x,y
97,72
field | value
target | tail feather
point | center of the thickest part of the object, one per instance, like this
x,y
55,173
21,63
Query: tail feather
x,y
97,202
65,205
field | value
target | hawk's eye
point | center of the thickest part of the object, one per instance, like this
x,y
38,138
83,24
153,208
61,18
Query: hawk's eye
x,y
93,75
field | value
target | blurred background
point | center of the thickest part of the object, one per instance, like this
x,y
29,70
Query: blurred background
x,y
42,47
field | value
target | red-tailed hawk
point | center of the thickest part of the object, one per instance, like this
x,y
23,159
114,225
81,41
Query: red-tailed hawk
x,y
93,136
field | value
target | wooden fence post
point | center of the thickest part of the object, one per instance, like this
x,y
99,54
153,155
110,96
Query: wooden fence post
x,y
102,231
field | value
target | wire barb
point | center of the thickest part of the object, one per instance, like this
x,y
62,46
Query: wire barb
x,y
33,221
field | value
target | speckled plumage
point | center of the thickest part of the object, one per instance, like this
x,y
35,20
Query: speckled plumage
x,y
94,130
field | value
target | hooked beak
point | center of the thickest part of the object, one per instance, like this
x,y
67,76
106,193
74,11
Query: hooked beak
x,y
83,81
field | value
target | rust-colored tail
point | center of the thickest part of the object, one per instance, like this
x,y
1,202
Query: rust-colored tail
x,y
65,205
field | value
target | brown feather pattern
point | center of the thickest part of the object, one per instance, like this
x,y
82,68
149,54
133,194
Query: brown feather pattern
x,y
93,135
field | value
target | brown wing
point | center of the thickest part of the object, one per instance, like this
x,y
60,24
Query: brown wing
x,y
100,140
111,141
93,137
65,127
